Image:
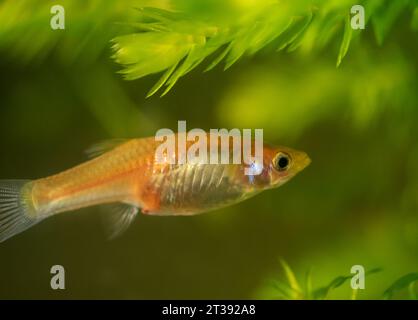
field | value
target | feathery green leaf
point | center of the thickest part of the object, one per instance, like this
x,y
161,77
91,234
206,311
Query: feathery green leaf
x,y
169,37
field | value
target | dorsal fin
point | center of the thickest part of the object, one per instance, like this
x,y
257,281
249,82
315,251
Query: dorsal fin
x,y
118,217
102,147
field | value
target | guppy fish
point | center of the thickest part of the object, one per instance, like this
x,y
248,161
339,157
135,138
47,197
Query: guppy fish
x,y
127,175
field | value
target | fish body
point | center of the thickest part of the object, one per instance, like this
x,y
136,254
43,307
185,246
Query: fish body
x,y
130,175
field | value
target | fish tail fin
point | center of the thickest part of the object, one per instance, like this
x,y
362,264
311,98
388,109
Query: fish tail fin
x,y
17,212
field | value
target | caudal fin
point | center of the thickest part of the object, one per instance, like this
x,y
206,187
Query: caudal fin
x,y
16,210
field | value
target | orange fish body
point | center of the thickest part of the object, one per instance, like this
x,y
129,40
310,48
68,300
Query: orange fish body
x,y
129,174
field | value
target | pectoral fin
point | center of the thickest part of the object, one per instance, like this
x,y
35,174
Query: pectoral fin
x,y
118,218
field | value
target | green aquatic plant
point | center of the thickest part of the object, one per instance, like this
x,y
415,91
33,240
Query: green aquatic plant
x,y
178,41
291,289
176,36
406,281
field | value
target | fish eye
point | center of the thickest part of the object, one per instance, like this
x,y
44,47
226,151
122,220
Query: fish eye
x,y
281,162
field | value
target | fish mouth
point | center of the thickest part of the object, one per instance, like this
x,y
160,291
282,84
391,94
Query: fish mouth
x,y
303,160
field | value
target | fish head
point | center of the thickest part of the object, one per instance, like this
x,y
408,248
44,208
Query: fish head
x,y
282,163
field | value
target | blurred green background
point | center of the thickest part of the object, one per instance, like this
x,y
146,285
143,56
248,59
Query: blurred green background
x,y
357,203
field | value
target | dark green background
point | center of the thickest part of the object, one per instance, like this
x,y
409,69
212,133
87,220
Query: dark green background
x,y
355,204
